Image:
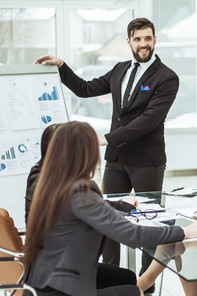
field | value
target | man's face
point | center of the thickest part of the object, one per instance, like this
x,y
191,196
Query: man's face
x,y
142,44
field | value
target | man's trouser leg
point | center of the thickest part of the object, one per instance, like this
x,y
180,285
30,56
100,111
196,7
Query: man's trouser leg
x,y
115,180
120,178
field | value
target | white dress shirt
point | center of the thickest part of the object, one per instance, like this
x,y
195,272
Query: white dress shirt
x,y
140,71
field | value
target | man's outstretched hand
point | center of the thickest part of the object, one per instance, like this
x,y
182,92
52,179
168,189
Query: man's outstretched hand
x,y
49,60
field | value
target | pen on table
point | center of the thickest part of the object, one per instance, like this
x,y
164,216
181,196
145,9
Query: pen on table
x,y
177,189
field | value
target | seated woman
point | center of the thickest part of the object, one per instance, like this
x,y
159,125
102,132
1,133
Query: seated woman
x,y
69,220
107,274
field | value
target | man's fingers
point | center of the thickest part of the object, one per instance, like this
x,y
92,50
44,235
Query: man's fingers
x,y
45,58
50,62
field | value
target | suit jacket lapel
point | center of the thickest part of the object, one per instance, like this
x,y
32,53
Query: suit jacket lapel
x,y
144,77
119,84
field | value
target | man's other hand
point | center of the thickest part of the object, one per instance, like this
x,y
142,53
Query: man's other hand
x,y
102,140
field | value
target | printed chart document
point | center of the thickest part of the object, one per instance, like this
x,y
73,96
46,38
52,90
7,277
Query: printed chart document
x,y
31,99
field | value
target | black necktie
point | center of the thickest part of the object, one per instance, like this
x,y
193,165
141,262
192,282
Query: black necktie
x,y
129,84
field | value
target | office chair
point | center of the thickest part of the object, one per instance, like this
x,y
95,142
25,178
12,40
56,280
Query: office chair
x,y
11,257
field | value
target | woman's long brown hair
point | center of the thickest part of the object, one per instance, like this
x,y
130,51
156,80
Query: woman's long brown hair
x,y
72,155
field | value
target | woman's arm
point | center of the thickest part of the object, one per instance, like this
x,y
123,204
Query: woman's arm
x,y
91,209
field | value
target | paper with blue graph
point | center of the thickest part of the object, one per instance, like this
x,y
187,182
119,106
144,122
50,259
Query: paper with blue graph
x,y
31,99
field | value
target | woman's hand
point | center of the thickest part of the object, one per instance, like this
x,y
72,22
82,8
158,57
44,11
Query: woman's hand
x,y
191,230
130,199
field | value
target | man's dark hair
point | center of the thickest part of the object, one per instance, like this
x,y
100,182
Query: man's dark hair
x,y
139,24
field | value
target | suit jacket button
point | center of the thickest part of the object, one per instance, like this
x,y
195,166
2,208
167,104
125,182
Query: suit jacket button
x,y
119,118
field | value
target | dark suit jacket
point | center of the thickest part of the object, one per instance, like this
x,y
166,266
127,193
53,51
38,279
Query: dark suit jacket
x,y
67,260
136,137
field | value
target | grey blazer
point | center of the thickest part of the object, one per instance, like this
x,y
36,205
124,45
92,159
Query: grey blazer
x,y
67,260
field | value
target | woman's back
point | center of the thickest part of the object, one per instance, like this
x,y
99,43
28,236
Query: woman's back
x,y
68,257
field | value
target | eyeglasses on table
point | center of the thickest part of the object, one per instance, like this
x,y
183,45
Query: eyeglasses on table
x,y
148,214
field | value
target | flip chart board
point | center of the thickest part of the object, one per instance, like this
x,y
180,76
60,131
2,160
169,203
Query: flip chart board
x,y
31,99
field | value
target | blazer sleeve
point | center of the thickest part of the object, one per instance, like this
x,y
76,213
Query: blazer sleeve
x,y
31,184
82,88
154,114
90,208
121,206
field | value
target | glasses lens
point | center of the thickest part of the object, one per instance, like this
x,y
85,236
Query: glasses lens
x,y
150,214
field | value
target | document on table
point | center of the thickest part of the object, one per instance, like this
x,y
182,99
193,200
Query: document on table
x,y
156,221
152,206
188,212
183,191
140,199
144,199
114,197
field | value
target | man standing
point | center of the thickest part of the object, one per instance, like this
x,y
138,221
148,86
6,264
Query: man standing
x,y
143,90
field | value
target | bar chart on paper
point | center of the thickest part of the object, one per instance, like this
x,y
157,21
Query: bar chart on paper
x,y
9,154
49,97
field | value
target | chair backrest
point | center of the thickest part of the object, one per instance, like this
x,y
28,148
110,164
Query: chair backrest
x,y
10,272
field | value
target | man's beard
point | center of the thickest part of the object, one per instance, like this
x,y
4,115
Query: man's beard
x,y
145,59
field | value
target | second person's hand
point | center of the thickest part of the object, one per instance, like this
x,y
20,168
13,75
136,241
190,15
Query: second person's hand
x,y
49,60
130,199
191,231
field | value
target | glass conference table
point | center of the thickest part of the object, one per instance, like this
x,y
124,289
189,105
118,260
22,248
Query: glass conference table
x,y
181,258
